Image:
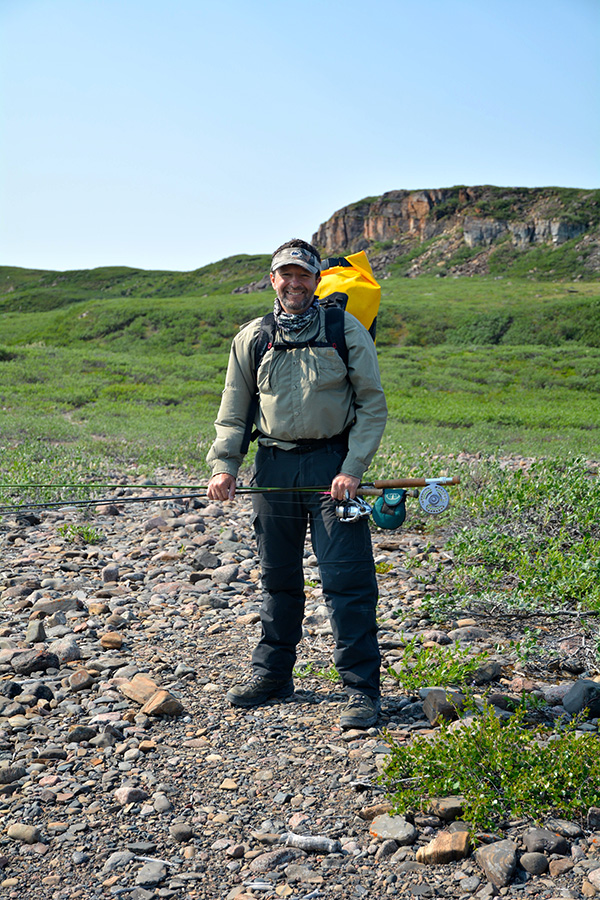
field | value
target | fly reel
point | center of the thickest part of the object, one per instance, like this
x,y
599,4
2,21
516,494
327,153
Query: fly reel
x,y
434,499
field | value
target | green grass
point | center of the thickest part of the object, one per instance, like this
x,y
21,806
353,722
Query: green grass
x,y
310,670
525,541
130,365
153,370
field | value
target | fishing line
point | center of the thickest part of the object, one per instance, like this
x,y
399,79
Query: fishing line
x,y
437,497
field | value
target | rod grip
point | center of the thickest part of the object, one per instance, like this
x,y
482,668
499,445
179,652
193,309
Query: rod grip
x,y
414,482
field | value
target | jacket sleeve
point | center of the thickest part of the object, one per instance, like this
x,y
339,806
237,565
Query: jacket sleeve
x,y
369,403
240,385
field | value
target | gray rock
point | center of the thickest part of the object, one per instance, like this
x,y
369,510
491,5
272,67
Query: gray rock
x,y
29,661
387,849
490,670
117,860
140,893
81,733
110,572
204,559
67,649
534,863
10,689
152,873
585,694
40,690
162,803
498,861
108,509
128,794
554,694
81,680
443,705
49,605
10,774
36,633
10,708
394,828
225,574
156,523
539,840
409,865
593,818
181,832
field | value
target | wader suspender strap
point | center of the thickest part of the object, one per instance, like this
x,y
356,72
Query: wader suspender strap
x,y
334,337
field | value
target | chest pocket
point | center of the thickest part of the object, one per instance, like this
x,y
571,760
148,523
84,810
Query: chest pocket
x,y
329,371
318,368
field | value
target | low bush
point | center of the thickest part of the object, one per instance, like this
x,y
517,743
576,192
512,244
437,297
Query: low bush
x,y
421,667
501,770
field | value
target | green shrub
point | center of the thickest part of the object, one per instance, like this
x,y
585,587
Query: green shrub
x,y
81,534
502,770
421,667
529,539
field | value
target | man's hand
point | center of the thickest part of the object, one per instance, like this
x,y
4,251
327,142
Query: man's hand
x,y
342,483
221,487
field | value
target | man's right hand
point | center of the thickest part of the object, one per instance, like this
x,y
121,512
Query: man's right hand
x,y
221,487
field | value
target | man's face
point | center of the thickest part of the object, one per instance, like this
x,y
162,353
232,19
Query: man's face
x,y
295,287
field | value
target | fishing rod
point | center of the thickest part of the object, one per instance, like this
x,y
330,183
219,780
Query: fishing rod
x,y
385,483
388,510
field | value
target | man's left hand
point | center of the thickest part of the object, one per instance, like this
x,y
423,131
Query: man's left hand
x,y
342,483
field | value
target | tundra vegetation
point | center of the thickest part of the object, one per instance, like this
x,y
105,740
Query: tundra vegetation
x,y
114,369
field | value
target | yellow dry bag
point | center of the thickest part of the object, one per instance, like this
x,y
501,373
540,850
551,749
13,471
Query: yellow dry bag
x,y
348,282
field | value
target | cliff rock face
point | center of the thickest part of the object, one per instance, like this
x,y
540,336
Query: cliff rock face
x,y
392,216
472,217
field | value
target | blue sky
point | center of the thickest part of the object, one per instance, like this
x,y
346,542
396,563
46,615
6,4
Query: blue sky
x,y
167,135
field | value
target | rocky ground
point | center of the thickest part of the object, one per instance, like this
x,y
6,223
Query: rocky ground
x,y
124,772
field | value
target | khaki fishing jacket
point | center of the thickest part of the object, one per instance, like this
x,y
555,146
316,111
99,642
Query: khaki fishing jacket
x,y
305,393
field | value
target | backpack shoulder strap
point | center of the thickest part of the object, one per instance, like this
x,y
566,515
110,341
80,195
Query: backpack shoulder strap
x,y
334,331
265,339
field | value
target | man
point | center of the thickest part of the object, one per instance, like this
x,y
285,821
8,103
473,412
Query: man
x,y
319,422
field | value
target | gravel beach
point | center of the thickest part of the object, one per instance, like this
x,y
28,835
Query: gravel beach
x,y
125,773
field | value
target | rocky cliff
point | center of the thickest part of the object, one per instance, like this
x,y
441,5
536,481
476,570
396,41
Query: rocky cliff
x,y
458,230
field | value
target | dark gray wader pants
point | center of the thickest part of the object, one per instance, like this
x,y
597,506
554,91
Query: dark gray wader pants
x,y
345,556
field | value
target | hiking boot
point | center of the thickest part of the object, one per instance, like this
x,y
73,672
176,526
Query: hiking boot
x,y
361,711
258,690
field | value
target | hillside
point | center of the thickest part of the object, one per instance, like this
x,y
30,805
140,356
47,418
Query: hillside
x,y
538,233
30,290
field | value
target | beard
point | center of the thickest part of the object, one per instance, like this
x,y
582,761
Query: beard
x,y
296,302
